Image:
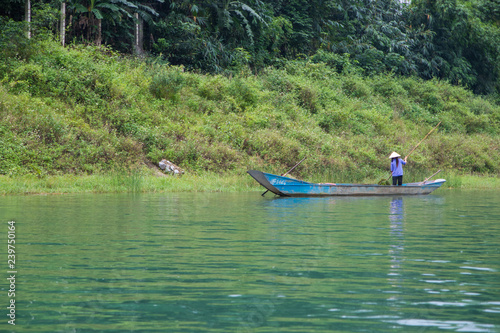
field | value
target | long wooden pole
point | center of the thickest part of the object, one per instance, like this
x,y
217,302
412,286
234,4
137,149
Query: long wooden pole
x,y
426,179
422,140
296,165
286,173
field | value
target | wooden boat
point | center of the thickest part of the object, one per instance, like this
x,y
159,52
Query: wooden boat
x,y
285,186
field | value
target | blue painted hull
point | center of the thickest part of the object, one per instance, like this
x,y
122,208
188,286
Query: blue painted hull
x,y
285,186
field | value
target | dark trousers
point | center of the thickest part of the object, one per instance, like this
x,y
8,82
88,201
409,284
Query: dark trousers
x,y
398,180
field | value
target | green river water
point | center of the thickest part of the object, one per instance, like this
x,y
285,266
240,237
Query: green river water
x,y
217,262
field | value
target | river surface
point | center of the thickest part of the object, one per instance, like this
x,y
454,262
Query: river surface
x,y
217,262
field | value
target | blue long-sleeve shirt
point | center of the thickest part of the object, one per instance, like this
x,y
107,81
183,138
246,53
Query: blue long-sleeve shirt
x,y
397,171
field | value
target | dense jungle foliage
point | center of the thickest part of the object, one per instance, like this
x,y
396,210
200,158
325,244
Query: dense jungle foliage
x,y
455,40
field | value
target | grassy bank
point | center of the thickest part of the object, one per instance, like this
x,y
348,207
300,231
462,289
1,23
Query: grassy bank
x,y
122,183
70,117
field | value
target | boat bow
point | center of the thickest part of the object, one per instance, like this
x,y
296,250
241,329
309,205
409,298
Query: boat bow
x,y
260,177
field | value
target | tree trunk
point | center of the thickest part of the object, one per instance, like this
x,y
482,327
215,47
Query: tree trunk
x,y
63,23
89,27
27,16
138,35
99,33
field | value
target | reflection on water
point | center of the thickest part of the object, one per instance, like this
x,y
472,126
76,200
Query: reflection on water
x,y
396,248
243,263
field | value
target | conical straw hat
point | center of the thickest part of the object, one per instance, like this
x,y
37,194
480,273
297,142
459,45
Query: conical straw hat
x,y
394,155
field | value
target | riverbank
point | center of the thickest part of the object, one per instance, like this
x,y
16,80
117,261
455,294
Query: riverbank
x,y
124,183
81,120
81,111
207,182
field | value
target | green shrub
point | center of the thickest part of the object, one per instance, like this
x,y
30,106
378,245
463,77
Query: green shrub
x,y
245,92
13,40
340,63
308,98
387,86
356,87
332,119
28,78
277,80
275,148
213,88
167,83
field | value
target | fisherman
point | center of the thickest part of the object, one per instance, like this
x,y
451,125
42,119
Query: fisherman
x,y
397,168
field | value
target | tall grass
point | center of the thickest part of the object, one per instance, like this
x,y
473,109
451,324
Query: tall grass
x,y
120,183
483,182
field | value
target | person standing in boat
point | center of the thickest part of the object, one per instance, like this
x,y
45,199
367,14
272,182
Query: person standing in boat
x,y
397,168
